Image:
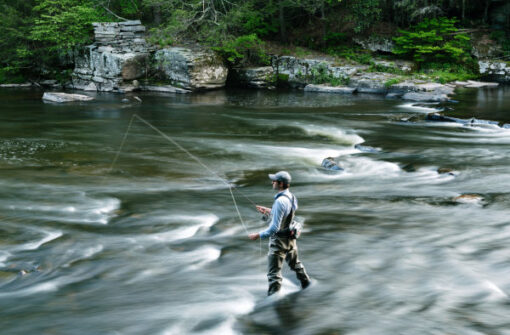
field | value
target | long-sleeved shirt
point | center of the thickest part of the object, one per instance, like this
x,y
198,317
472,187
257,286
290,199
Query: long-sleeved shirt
x,y
281,208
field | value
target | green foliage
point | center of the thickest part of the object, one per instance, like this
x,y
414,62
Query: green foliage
x,y
364,13
244,50
446,72
392,82
351,53
382,68
64,24
320,74
333,39
503,38
434,40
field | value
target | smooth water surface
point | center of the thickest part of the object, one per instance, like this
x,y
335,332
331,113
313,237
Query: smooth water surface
x,y
154,244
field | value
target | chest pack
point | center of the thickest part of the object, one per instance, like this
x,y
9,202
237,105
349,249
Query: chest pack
x,y
290,228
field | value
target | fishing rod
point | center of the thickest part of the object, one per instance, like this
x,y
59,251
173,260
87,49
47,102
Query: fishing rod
x,y
214,173
192,156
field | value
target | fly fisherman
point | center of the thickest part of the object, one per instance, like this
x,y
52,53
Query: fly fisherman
x,y
281,244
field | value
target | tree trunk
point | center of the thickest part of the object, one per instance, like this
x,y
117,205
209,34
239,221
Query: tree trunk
x,y
463,10
323,25
281,17
486,11
156,11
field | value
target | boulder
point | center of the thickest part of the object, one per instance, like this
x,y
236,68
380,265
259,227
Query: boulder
x,y
329,89
495,70
376,43
478,84
119,55
330,164
475,199
191,69
425,97
399,65
108,69
25,85
164,88
256,77
300,72
367,149
64,97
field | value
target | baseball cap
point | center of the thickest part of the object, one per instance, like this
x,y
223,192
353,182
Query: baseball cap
x,y
282,176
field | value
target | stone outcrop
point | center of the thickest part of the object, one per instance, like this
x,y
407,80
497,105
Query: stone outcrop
x,y
255,77
495,70
298,72
329,89
376,44
118,56
191,69
65,97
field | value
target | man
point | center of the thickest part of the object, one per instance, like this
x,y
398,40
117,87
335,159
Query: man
x,y
281,245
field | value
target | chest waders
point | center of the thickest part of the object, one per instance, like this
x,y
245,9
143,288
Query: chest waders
x,y
282,246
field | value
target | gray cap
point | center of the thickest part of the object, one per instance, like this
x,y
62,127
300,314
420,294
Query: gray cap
x,y
282,176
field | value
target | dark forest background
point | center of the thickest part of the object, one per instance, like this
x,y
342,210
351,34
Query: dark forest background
x,y
39,37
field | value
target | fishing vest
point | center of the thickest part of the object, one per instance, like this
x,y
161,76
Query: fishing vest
x,y
289,227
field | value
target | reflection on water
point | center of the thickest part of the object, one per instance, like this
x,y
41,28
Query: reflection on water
x,y
409,239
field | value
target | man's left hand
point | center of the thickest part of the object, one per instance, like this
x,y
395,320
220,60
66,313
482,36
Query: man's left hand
x,y
253,236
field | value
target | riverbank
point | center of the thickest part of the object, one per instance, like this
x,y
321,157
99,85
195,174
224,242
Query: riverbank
x,y
121,61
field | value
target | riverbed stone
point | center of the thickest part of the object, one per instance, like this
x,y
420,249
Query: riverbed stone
x,y
329,89
425,97
164,88
24,85
64,97
479,84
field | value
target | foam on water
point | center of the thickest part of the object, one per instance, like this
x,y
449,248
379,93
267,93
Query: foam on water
x,y
413,106
204,222
338,134
83,254
207,309
78,209
311,155
4,255
356,167
49,236
50,286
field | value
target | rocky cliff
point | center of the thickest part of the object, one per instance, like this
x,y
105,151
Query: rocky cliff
x,y
120,60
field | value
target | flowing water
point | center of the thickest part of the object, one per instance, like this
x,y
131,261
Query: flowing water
x,y
154,245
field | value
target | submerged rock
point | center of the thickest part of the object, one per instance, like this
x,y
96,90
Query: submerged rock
x,y
25,85
425,97
65,97
447,171
330,164
467,122
366,148
475,199
164,88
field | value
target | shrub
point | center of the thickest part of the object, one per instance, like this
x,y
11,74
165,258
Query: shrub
x,y
244,50
434,40
392,82
320,74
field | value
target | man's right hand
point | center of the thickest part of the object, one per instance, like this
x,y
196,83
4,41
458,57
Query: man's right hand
x,y
263,210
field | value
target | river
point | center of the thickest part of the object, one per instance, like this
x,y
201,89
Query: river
x,y
154,244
